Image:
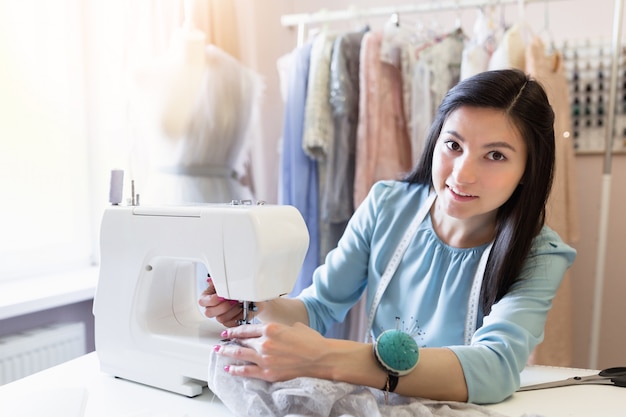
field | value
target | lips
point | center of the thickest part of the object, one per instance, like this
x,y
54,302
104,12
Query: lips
x,y
460,193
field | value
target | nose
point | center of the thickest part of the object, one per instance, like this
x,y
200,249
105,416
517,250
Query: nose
x,y
465,170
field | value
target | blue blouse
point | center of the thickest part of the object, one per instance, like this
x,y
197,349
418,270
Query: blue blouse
x,y
298,175
428,295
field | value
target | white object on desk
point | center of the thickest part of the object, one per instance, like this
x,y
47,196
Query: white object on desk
x,y
571,401
148,326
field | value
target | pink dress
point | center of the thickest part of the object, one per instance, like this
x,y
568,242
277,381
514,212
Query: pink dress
x,y
383,148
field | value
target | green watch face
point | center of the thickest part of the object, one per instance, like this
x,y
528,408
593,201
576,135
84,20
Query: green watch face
x,y
397,351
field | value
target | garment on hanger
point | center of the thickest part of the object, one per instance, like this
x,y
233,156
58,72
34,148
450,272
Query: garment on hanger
x,y
479,48
318,123
562,207
337,203
337,206
408,61
399,49
383,148
298,173
437,70
511,51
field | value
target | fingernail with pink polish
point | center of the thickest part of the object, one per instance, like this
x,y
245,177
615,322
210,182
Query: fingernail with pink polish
x,y
233,302
224,333
227,368
217,348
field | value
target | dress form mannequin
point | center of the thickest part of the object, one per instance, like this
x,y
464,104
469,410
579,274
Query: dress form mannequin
x,y
201,116
184,77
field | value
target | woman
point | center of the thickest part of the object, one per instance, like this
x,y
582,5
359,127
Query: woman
x,y
488,164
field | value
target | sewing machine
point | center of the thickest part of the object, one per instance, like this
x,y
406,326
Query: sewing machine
x,y
149,327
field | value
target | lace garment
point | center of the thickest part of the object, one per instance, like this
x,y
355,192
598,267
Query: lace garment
x,y
317,397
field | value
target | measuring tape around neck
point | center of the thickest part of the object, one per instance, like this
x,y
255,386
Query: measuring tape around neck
x,y
394,262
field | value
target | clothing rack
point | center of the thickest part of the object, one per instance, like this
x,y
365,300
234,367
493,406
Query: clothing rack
x,y
605,196
302,20
324,16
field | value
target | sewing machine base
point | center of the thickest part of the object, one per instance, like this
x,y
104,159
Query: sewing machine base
x,y
176,366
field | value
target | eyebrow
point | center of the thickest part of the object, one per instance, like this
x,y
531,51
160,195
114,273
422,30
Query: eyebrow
x,y
500,144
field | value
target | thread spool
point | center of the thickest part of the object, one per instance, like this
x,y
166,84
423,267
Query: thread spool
x,y
116,187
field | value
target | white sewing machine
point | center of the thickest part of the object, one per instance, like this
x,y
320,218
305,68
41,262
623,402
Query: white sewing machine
x,y
148,325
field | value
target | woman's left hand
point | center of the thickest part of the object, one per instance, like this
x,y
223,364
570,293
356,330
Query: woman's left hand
x,y
275,352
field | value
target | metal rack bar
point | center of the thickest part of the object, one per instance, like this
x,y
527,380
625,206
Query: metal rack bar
x,y
301,20
605,196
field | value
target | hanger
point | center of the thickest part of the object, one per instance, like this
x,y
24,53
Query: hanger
x,y
394,19
392,26
525,29
503,25
323,28
391,33
358,19
457,19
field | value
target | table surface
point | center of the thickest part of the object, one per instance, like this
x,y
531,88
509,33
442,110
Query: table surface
x,y
79,389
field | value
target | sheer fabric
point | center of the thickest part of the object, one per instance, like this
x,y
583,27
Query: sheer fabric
x,y
317,397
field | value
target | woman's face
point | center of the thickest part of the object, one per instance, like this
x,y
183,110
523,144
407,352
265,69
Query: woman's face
x,y
478,161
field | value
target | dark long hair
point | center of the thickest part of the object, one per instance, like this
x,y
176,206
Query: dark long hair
x,y
522,216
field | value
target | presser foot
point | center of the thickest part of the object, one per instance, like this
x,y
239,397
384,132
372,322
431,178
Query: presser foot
x,y
248,308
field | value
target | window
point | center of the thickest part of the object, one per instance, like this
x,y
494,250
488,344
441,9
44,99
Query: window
x,y
66,121
44,179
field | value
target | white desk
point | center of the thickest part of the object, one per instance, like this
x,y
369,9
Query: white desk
x,y
78,388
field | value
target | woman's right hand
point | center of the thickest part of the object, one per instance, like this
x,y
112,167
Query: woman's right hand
x,y
227,312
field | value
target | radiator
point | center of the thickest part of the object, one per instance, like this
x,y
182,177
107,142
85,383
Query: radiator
x,y
34,350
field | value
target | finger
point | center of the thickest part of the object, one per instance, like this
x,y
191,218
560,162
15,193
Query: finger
x,y
217,308
210,289
231,317
205,301
255,371
245,331
210,300
237,352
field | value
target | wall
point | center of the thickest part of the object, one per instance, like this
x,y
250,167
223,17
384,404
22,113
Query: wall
x,y
266,40
612,346
76,312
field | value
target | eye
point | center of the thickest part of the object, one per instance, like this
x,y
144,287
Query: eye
x,y
496,156
453,145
